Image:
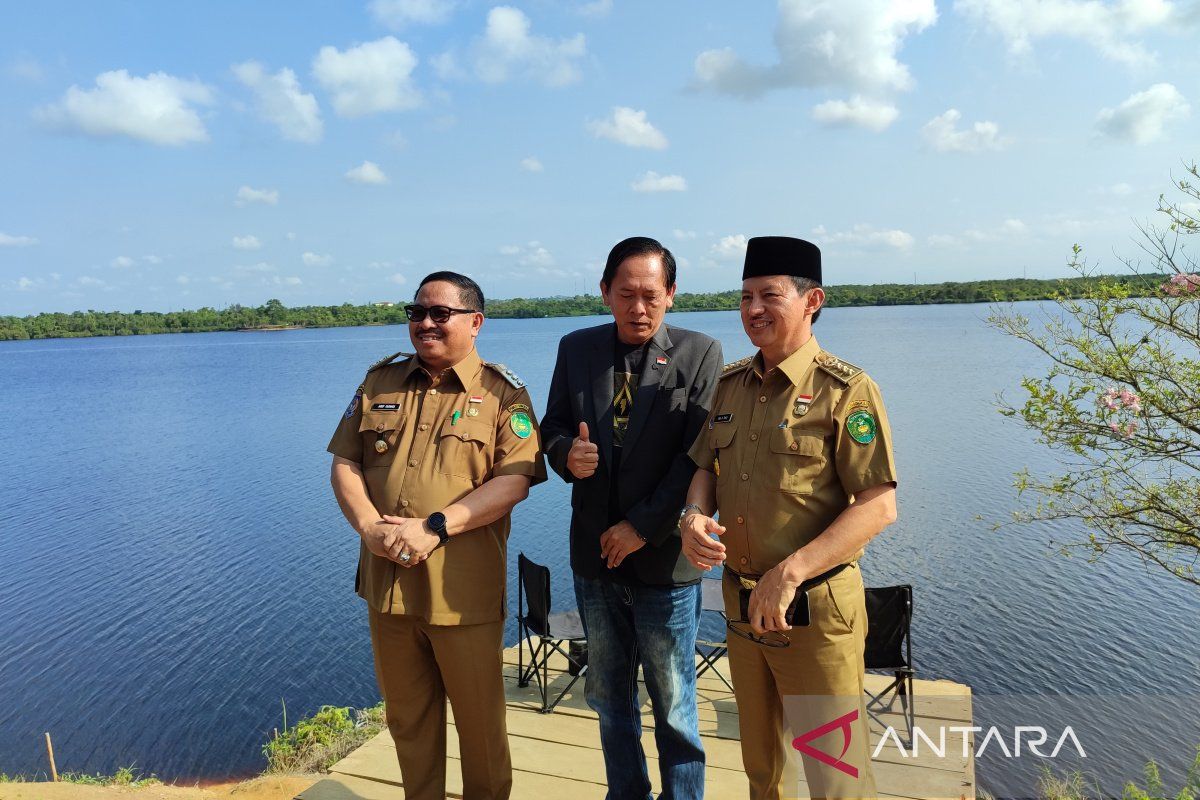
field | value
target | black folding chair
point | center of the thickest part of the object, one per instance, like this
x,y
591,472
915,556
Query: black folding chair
x,y
550,630
889,649
711,652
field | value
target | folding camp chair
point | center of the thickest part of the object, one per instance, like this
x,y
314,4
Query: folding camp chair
x,y
711,652
550,630
889,648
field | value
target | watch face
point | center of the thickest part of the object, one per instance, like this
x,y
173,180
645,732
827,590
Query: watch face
x,y
437,521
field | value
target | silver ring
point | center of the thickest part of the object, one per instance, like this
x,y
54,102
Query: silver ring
x,y
406,557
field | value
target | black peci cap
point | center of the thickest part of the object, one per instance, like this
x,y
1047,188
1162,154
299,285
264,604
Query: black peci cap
x,y
782,255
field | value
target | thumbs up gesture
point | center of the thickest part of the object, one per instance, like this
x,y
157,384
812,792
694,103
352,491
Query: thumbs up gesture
x,y
584,456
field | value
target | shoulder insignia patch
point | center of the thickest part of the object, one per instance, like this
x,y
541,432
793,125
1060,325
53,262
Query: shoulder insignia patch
x,y
508,374
383,362
844,371
736,366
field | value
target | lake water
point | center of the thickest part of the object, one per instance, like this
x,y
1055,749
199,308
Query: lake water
x,y
172,563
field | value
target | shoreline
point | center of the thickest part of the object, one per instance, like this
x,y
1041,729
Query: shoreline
x,y
274,316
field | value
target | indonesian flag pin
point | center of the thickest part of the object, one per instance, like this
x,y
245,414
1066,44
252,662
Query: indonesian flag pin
x,y
661,361
476,399
803,401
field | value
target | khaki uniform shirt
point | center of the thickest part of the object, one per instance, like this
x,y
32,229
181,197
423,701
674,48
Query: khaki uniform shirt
x,y
433,458
790,449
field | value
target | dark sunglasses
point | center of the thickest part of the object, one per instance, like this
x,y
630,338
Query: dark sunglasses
x,y
769,639
438,314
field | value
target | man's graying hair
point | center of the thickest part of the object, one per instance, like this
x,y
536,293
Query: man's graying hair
x,y
469,293
803,285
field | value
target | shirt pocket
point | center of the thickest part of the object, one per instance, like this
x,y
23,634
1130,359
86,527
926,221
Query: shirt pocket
x,y
376,427
797,459
464,450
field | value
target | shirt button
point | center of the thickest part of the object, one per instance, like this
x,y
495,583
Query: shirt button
x,y
742,561
379,428
745,476
412,463
795,446
433,391
754,437
424,426
404,503
762,398
740,520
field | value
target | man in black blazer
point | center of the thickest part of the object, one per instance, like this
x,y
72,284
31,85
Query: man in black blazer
x,y
626,402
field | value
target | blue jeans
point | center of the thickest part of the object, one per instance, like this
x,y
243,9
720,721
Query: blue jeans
x,y
655,627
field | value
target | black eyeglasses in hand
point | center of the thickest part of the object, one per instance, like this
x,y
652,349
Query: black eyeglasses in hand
x,y
438,314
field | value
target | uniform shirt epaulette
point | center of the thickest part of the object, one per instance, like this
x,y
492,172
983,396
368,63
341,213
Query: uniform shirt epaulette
x,y
383,362
508,374
844,371
736,366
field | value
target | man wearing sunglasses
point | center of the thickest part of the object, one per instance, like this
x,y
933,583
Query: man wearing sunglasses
x,y
797,459
430,457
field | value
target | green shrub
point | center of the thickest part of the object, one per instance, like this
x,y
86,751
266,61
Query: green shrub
x,y
316,743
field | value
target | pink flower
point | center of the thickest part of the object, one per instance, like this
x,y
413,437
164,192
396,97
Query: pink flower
x,y
1114,427
1136,406
1179,279
1130,429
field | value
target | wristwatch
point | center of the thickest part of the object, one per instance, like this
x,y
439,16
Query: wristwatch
x,y
437,524
688,509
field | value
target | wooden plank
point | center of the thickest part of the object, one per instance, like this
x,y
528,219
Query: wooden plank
x,y
559,755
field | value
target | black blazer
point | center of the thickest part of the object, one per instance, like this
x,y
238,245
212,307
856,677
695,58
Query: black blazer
x,y
669,409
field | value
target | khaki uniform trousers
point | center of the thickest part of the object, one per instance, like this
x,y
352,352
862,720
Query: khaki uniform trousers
x,y
824,665
418,667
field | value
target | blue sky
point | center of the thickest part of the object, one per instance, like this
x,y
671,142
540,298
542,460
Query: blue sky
x,y
167,155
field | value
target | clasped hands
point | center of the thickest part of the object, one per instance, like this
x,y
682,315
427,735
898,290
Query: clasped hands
x,y
775,590
390,537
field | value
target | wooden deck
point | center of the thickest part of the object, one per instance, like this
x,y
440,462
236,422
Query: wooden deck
x,y
558,755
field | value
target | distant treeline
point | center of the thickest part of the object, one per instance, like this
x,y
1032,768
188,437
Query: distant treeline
x,y
274,314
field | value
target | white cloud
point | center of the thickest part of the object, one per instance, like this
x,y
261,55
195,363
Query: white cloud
x,y
398,279
858,111
316,260
851,44
683,235
1143,116
122,262
1107,26
246,242
628,127
596,8
863,235
1007,230
943,135
152,259
26,69
24,284
156,109
247,195
89,281
372,77
531,164
7,240
729,248
397,14
183,280
1120,189
531,255
367,172
281,102
247,270
291,280
508,49
653,182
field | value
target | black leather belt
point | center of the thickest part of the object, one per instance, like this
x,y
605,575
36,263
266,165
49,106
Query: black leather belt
x,y
749,583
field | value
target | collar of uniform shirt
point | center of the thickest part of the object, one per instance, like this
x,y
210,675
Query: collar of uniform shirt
x,y
794,366
466,370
